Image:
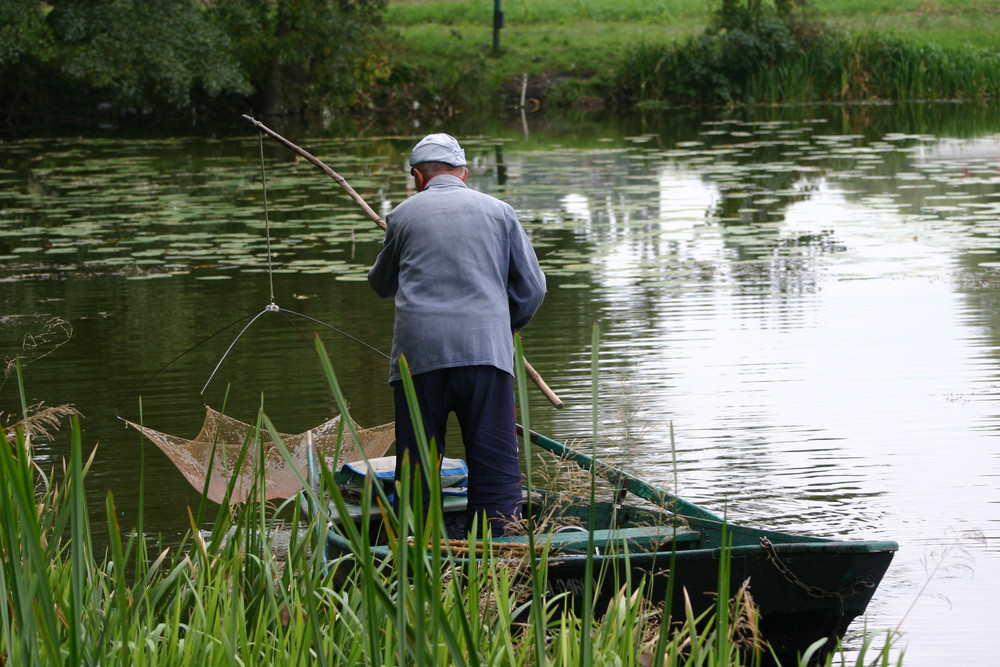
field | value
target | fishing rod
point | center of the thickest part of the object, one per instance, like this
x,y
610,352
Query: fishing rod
x,y
378,220
329,172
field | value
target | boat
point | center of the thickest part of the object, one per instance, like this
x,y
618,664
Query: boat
x,y
804,588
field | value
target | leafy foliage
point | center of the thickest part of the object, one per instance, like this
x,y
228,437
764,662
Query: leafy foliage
x,y
146,51
744,38
306,56
756,52
295,56
22,31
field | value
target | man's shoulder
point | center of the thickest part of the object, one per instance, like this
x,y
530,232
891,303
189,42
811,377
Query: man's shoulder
x,y
455,190
487,200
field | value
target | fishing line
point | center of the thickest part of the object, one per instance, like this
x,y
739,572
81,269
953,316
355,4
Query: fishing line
x,y
284,312
270,276
339,331
271,307
173,361
267,222
230,349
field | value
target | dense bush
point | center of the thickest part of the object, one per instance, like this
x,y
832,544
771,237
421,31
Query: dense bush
x,y
283,56
758,53
717,66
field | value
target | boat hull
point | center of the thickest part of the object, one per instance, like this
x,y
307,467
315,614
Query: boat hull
x,y
811,592
803,588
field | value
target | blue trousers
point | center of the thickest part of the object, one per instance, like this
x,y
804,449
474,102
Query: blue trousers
x,y
482,398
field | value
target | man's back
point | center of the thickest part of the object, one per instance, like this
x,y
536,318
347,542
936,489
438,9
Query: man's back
x,y
451,258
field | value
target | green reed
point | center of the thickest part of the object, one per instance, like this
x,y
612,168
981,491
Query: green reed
x,y
227,596
767,59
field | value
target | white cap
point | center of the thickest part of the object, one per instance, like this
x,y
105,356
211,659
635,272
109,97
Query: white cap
x,y
438,148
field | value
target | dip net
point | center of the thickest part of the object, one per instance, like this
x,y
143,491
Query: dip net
x,y
214,453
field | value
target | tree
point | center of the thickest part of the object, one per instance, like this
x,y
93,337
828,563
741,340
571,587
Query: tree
x,y
306,56
22,31
26,47
146,52
279,56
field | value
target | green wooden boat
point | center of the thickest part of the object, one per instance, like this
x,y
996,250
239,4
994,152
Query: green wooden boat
x,y
804,588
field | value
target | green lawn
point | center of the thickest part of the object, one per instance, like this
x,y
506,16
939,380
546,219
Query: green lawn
x,y
452,40
564,34
575,38
943,22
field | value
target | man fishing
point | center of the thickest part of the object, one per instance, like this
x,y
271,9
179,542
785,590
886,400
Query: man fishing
x,y
463,275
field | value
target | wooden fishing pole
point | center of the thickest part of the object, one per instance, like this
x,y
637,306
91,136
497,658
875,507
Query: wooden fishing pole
x,y
370,212
329,172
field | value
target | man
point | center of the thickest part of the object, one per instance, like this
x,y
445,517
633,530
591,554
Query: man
x,y
464,275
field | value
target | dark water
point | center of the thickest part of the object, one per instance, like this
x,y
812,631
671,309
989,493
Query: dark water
x,y
807,297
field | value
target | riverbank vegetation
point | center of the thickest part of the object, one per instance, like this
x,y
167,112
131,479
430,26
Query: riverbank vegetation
x,y
595,54
433,59
753,53
231,597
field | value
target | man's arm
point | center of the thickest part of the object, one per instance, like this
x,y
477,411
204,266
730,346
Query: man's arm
x,y
383,277
525,280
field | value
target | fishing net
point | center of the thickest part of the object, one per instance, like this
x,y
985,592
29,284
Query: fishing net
x,y
226,438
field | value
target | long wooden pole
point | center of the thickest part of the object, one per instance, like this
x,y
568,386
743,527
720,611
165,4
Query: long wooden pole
x,y
370,212
540,383
316,161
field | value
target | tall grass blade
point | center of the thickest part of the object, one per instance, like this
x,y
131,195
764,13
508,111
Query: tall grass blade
x,y
588,577
35,621
537,580
80,546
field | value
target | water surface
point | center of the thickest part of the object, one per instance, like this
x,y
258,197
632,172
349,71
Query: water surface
x,y
807,298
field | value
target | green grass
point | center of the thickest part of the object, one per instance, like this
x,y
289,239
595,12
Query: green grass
x,y
543,38
944,23
547,11
573,50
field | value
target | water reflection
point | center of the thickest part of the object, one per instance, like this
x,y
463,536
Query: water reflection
x,y
807,299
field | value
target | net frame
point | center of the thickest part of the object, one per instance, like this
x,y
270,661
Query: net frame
x,y
212,455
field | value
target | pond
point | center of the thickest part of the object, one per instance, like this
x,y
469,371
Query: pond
x,y
806,298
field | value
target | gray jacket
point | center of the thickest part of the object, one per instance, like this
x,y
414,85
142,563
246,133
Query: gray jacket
x,y
463,275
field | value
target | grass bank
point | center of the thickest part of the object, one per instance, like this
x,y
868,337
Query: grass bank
x,y
586,54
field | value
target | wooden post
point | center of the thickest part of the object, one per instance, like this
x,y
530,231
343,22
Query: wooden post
x,y
497,24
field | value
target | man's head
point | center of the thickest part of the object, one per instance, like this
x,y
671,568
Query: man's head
x,y
437,154
438,148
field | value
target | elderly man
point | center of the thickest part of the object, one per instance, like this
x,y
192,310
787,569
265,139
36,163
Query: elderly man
x,y
463,275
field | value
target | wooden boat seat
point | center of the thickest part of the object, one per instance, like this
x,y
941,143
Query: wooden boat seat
x,y
639,539
451,504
